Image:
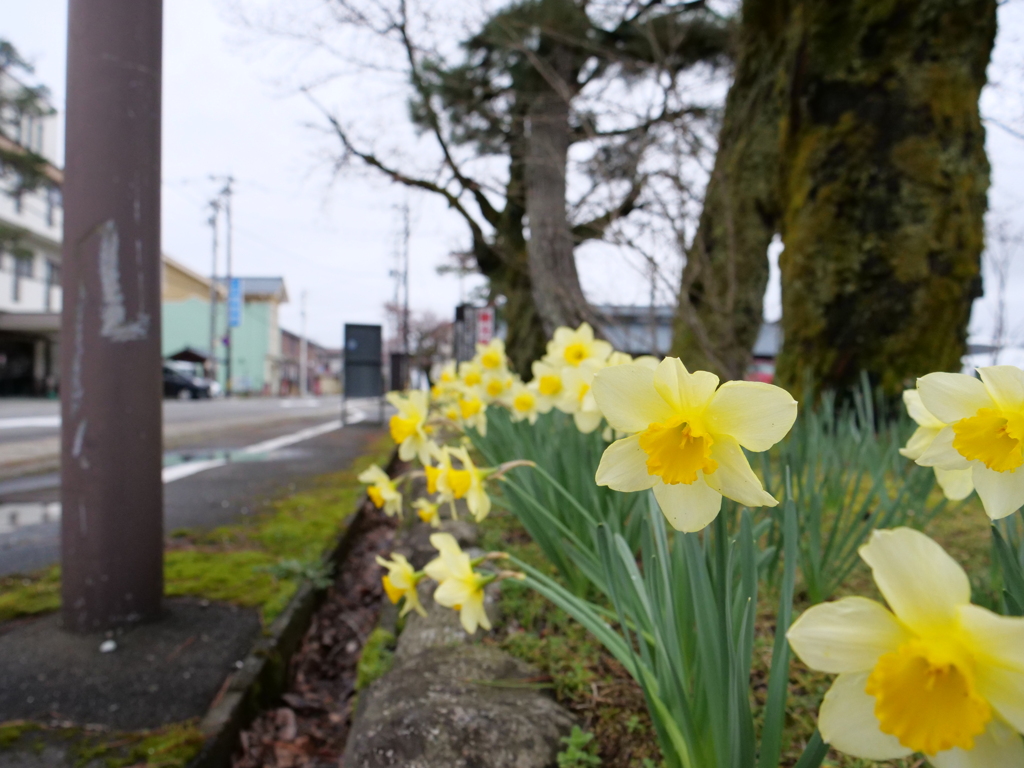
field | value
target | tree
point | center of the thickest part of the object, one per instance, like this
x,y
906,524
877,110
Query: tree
x,y
522,93
22,168
865,122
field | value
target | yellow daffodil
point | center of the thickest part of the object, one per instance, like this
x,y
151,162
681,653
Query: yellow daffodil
x,y
427,511
578,397
472,410
495,385
400,581
571,348
983,432
935,674
687,437
524,402
491,356
470,373
956,484
467,483
619,358
382,491
408,426
548,382
459,586
446,380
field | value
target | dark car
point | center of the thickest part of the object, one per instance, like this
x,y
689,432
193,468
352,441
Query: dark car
x,y
185,387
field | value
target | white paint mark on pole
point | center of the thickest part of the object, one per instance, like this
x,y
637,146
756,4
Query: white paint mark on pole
x,y
114,316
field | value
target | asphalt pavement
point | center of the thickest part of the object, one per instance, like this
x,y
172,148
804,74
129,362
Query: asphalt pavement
x,y
223,459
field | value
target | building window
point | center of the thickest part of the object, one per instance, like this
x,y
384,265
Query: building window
x,y
22,270
52,281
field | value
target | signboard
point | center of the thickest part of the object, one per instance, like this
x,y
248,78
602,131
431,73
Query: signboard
x,y
484,325
235,303
364,365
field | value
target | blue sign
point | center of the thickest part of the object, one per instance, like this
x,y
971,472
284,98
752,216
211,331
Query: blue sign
x,y
235,303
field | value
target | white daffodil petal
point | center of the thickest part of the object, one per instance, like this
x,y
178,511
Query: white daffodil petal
x,y
847,721
845,636
627,398
921,415
956,484
587,421
998,747
923,585
682,389
1005,383
919,442
942,454
1000,665
1001,493
758,415
690,507
452,592
734,478
953,396
623,467
407,451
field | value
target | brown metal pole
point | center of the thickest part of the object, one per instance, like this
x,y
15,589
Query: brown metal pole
x,y
111,436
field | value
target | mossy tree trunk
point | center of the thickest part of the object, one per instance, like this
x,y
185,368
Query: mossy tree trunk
x,y
852,129
885,189
720,301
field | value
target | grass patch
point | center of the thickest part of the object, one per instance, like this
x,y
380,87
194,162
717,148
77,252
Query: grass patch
x,y
376,658
257,563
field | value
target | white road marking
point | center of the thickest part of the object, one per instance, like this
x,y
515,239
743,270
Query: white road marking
x,y
30,422
16,516
178,471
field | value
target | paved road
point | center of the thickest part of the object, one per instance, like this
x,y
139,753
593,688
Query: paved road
x,y
222,460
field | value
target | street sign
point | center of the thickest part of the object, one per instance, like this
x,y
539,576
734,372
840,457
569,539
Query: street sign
x,y
484,325
235,303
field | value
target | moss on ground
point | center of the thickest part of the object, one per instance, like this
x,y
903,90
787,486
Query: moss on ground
x,y
376,658
236,563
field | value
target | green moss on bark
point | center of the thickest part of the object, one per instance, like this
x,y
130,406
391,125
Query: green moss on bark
x,y
885,181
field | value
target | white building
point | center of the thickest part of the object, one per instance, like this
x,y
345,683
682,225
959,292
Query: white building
x,y
31,227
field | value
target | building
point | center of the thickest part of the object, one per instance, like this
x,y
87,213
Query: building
x,y
255,342
30,253
637,330
323,367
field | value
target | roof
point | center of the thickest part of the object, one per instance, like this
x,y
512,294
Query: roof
x,y
270,288
186,282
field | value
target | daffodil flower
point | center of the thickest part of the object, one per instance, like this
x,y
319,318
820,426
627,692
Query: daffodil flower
x,y
459,586
524,402
400,581
447,378
427,511
578,398
491,356
495,385
687,437
408,426
470,373
548,382
956,484
382,491
472,410
467,483
983,432
935,674
571,348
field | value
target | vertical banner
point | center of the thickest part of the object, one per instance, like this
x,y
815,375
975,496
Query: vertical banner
x,y
235,302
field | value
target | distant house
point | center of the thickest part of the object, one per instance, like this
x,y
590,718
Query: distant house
x,y
323,366
255,343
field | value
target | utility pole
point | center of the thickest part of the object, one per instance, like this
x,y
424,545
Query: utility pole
x,y
303,351
214,215
225,195
111,432
405,285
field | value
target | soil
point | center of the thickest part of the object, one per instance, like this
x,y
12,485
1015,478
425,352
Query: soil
x,y
310,727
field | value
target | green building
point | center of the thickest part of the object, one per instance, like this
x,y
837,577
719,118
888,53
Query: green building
x,y
255,343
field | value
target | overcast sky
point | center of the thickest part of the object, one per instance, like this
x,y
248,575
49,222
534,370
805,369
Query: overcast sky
x,y
230,107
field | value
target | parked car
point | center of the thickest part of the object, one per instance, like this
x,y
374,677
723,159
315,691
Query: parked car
x,y
183,386
762,370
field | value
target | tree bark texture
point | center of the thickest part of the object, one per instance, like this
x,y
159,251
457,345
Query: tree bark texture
x,y
853,130
720,301
556,285
885,189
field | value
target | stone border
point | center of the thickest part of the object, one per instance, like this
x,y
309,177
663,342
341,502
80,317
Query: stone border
x,y
263,676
